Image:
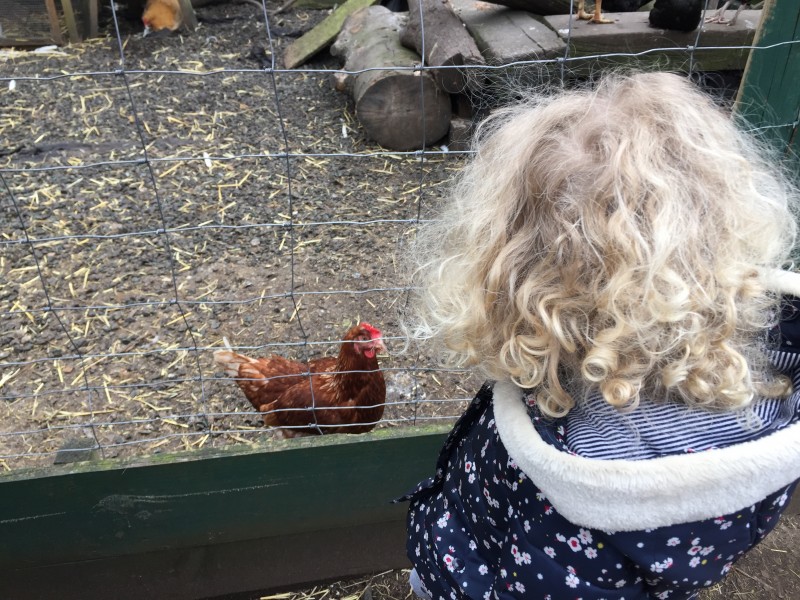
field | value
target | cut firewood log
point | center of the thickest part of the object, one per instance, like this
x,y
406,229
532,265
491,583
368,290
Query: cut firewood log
x,y
461,131
447,44
401,109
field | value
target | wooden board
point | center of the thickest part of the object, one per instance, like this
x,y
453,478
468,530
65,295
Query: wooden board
x,y
187,515
504,35
770,92
632,41
244,570
322,35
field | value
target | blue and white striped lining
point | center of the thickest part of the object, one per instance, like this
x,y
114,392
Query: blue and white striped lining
x,y
594,429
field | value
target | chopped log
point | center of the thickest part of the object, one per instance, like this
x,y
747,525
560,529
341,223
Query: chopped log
x,y
461,131
322,35
447,43
389,102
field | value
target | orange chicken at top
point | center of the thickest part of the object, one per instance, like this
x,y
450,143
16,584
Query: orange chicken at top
x,y
161,14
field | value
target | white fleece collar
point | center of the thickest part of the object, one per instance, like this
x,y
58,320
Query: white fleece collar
x,y
630,495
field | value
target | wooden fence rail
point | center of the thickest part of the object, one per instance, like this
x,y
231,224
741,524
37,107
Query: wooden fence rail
x,y
215,523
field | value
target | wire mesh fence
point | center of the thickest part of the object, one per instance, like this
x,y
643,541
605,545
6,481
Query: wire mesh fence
x,y
159,194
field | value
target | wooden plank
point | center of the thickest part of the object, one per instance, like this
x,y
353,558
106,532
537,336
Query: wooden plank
x,y
93,14
243,569
718,47
504,35
55,27
769,95
188,17
322,35
69,19
93,511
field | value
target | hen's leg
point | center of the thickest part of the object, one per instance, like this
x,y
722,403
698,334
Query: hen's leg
x,y
736,15
581,13
719,16
597,17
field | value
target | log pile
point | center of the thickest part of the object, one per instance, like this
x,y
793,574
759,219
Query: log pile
x,y
412,74
399,106
406,109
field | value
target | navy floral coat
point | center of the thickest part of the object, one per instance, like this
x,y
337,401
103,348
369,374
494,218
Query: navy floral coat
x,y
599,505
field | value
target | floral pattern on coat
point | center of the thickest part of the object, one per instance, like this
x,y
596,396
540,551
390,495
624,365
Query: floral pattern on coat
x,y
481,529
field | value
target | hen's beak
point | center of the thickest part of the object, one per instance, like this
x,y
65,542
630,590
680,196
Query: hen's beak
x,y
379,347
146,31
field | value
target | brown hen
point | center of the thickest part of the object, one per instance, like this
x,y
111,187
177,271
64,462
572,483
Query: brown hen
x,y
347,393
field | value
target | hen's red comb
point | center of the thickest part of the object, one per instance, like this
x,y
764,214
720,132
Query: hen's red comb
x,y
373,333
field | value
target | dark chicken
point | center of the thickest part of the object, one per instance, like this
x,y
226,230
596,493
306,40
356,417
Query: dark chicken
x,y
678,15
346,393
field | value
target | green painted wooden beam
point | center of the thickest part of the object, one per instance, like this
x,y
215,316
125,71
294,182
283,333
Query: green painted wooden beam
x,y
769,96
94,511
245,569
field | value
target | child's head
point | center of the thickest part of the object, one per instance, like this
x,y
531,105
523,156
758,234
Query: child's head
x,y
609,237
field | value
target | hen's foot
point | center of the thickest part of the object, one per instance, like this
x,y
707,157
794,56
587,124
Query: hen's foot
x,y
595,17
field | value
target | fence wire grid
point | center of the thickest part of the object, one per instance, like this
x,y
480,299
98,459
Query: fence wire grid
x,y
161,193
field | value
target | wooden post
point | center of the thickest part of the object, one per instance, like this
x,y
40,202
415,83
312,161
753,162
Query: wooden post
x,y
69,18
55,28
769,95
187,15
93,13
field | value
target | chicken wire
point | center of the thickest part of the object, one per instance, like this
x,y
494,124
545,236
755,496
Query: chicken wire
x,y
123,271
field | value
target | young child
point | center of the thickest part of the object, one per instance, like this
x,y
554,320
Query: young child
x,y
609,262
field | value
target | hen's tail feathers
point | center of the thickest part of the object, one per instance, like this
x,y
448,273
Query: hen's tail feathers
x,y
231,361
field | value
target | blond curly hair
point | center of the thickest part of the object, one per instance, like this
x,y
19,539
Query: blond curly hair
x,y
610,238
